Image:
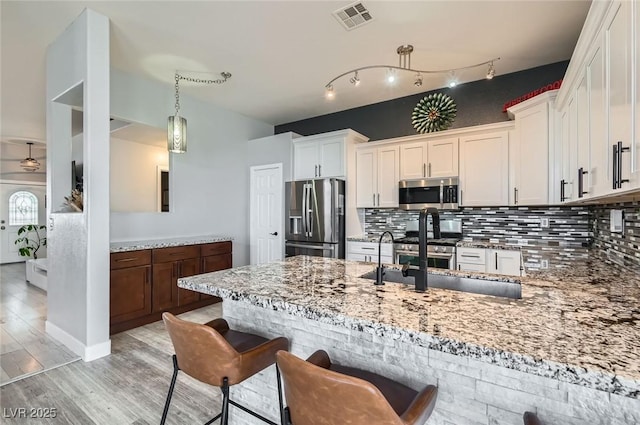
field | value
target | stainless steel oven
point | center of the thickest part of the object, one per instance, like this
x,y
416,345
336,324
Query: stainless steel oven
x,y
441,253
444,258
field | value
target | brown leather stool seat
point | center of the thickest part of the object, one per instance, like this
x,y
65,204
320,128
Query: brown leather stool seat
x,y
216,355
319,392
531,419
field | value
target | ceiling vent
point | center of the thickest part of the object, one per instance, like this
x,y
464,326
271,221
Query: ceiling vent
x,y
353,16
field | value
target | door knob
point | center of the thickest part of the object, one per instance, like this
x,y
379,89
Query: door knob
x,y
274,233
2,228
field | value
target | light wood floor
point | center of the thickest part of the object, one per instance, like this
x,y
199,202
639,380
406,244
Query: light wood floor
x,y
127,387
25,348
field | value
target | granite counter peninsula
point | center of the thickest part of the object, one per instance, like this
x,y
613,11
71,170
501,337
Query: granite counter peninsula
x,y
569,349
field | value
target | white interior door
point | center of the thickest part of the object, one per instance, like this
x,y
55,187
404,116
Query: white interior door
x,y
21,212
266,214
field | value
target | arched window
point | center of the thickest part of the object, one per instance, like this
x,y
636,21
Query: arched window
x,y
23,208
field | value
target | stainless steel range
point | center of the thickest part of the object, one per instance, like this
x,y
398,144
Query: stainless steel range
x,y
441,253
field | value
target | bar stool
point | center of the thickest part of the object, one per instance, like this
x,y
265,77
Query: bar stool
x,y
216,355
531,419
319,392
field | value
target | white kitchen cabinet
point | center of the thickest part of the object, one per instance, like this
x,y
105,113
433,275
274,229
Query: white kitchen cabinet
x,y
485,260
368,251
317,159
531,150
500,261
619,44
431,158
635,146
592,130
484,169
377,176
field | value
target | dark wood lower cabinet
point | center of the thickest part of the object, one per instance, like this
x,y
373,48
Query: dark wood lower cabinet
x,y
130,295
165,287
144,284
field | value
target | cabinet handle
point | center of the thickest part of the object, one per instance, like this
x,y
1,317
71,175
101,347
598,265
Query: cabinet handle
x,y
378,199
124,260
562,185
461,192
319,170
366,247
374,199
614,177
581,174
515,195
315,173
470,256
424,170
621,149
496,261
429,173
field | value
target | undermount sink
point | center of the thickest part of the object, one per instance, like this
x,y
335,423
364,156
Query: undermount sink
x,y
455,283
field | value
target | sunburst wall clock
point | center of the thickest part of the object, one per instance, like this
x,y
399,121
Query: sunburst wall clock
x,y
434,112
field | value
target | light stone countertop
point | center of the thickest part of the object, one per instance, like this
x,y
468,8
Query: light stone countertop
x,y
579,325
368,238
488,245
125,246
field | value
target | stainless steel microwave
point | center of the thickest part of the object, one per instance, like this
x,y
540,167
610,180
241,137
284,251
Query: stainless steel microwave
x,y
441,193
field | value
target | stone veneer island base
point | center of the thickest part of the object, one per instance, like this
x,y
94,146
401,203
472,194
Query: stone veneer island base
x,y
323,304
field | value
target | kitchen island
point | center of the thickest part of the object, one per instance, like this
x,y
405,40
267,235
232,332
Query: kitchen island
x,y
569,349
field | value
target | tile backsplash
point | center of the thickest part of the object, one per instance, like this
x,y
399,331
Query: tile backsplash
x,y
566,238
622,248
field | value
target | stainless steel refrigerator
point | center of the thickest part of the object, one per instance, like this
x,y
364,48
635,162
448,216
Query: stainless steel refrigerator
x,y
315,218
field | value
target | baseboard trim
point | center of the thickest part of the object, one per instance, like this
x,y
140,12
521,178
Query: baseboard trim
x,y
88,353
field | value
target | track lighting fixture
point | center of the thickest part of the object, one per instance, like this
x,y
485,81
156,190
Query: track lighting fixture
x,y
355,80
452,79
491,72
404,64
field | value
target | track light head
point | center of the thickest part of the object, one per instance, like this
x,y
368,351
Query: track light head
x,y
391,76
329,93
491,72
418,80
355,80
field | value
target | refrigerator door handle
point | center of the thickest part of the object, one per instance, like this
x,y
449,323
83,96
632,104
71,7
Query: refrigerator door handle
x,y
304,209
309,210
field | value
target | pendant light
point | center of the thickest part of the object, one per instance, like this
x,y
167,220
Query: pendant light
x,y
29,163
177,125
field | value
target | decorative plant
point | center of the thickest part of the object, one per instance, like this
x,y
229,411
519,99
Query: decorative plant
x,y
31,240
74,201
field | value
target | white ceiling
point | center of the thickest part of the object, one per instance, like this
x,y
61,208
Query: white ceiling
x,y
282,54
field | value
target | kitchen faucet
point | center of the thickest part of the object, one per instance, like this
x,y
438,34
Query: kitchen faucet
x,y
380,269
420,275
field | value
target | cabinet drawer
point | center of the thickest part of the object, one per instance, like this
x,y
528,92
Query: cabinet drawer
x,y
121,260
471,255
369,248
163,255
472,267
215,248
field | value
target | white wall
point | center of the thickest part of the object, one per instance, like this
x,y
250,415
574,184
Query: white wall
x,y
134,175
78,274
209,184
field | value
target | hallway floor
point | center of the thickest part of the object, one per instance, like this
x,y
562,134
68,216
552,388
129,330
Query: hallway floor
x,y
127,387
25,348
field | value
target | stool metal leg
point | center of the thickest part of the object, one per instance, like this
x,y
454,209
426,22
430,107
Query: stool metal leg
x,y
171,387
280,403
225,402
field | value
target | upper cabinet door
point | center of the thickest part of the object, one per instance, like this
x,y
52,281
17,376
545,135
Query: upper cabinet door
x,y
635,148
619,66
388,176
532,158
366,177
598,160
484,169
305,160
442,159
413,160
331,158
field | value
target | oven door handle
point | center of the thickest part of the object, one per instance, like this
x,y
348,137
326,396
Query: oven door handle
x,y
411,253
439,255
